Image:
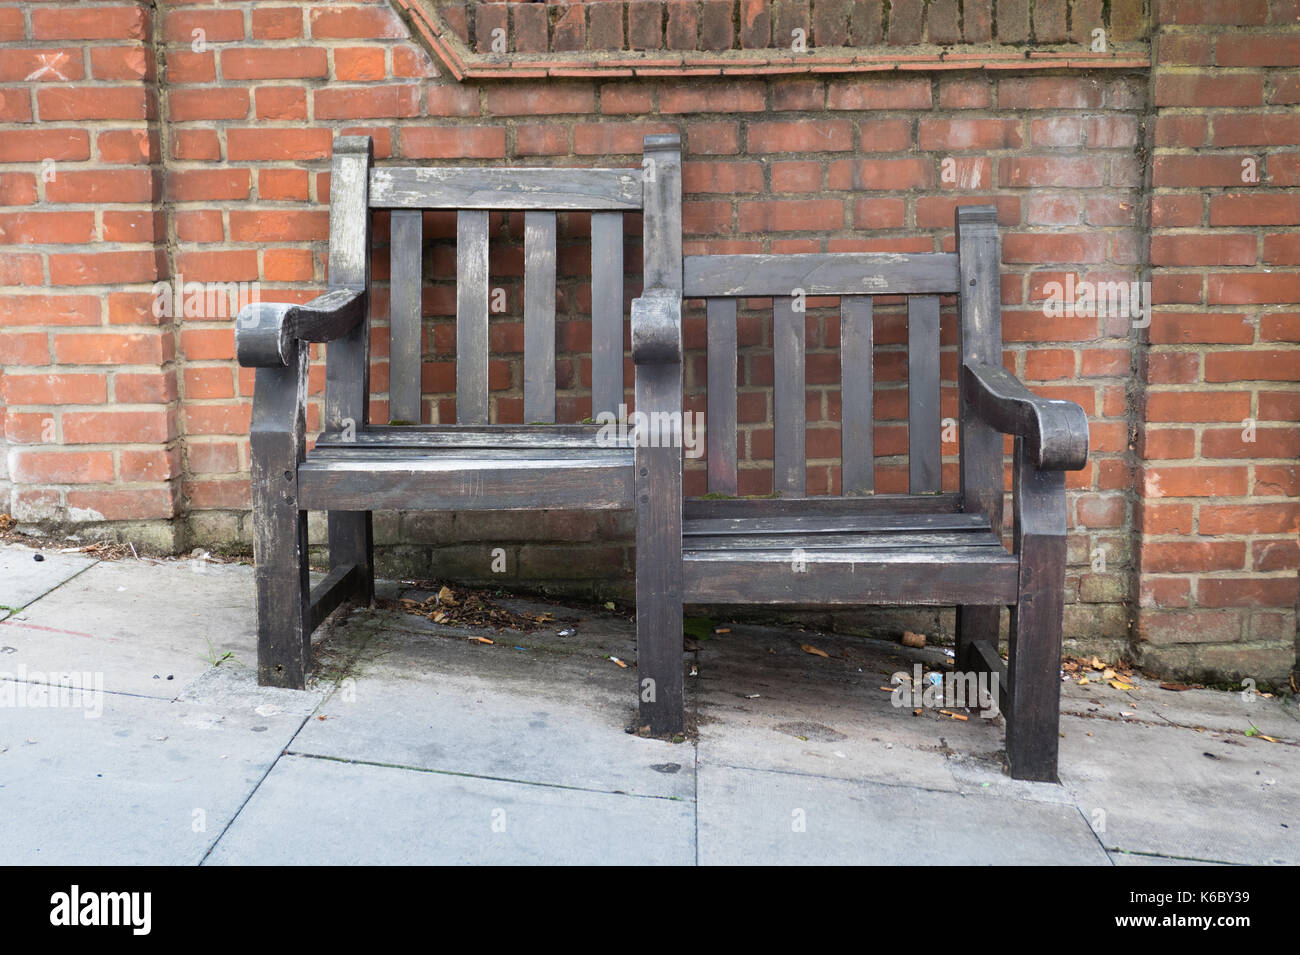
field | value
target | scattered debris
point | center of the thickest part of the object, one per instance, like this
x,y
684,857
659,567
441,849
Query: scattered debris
x,y
809,648
1176,687
618,661
956,716
915,640
469,608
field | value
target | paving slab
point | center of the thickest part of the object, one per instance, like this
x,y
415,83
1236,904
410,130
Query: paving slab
x,y
148,782
432,698
325,812
1159,792
1194,709
750,817
138,623
24,579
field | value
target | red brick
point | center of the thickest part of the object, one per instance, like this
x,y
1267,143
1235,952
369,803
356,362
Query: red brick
x,y
277,23
446,142
1253,288
726,177
1252,366
1068,171
1049,92
62,467
121,348
37,228
277,63
34,145
106,268
87,102
1171,557
1273,209
344,23
875,93
727,97
195,144
879,174
281,102
278,225
68,389
367,103
961,134
46,65
99,23
1194,481
244,145
536,101
1204,249
1247,592
358,64
791,215
1209,89
123,504
1205,406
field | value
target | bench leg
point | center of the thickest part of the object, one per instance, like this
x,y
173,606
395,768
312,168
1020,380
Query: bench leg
x,y
1034,666
283,586
974,624
351,542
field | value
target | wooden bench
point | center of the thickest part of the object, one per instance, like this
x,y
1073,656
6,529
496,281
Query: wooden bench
x,y
925,547
356,466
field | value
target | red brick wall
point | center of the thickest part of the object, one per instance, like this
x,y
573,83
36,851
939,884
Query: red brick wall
x,y
1218,423
206,155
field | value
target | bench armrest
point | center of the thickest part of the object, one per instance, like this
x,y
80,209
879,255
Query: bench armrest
x,y
264,331
657,327
1055,430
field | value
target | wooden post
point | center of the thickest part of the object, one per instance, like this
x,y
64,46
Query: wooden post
x,y
980,341
1033,671
347,359
658,479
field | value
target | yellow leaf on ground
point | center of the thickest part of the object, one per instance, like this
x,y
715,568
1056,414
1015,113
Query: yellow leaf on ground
x,y
809,648
1084,682
1120,686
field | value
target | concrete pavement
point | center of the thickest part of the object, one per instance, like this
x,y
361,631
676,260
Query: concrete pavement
x,y
417,744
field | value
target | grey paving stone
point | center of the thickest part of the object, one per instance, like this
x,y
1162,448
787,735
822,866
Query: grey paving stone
x,y
752,817
24,579
1160,792
325,812
148,782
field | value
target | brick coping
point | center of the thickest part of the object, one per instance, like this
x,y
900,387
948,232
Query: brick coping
x,y
451,51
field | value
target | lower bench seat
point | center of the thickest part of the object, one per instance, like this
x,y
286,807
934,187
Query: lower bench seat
x,y
879,559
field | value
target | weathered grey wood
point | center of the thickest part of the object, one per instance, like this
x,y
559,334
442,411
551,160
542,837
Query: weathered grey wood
x,y
433,187
821,273
1055,430
979,342
720,414
950,542
492,436
539,317
662,242
925,475
339,584
658,470
277,440
606,312
881,522
857,389
789,415
472,317
404,316
848,578
347,359
265,331
1033,668
753,508
464,481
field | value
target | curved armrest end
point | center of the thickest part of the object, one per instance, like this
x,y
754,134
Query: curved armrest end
x,y
1057,430
657,328
265,331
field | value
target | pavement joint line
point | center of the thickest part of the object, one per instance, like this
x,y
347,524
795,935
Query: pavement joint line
x,y
95,562
1116,850
106,692
1165,723
1095,835
258,785
497,779
807,775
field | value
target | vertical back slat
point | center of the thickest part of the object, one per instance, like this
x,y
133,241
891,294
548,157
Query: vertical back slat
x,y
788,411
923,435
857,416
539,317
405,250
472,316
606,312
720,421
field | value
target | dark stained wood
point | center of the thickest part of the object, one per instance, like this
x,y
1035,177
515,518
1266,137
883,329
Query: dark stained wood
x,y
606,312
985,659
808,522
539,317
491,436
923,429
404,316
658,470
821,273
265,331
979,342
789,413
1034,662
347,359
1055,431
756,508
434,187
720,414
472,317
858,461
339,584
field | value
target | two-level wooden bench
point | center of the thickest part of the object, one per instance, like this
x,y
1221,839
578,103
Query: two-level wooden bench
x,y
925,547
476,463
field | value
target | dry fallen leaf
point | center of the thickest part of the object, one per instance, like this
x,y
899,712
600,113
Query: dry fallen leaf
x,y
1084,681
809,648
911,639
1108,674
1097,664
1120,686
1176,687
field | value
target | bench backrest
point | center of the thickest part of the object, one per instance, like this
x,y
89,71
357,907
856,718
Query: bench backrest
x,y
721,280
474,194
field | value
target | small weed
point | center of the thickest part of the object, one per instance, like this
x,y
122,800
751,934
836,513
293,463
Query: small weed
x,y
215,659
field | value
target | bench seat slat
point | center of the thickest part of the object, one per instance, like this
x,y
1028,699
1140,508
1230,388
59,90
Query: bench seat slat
x,y
821,273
